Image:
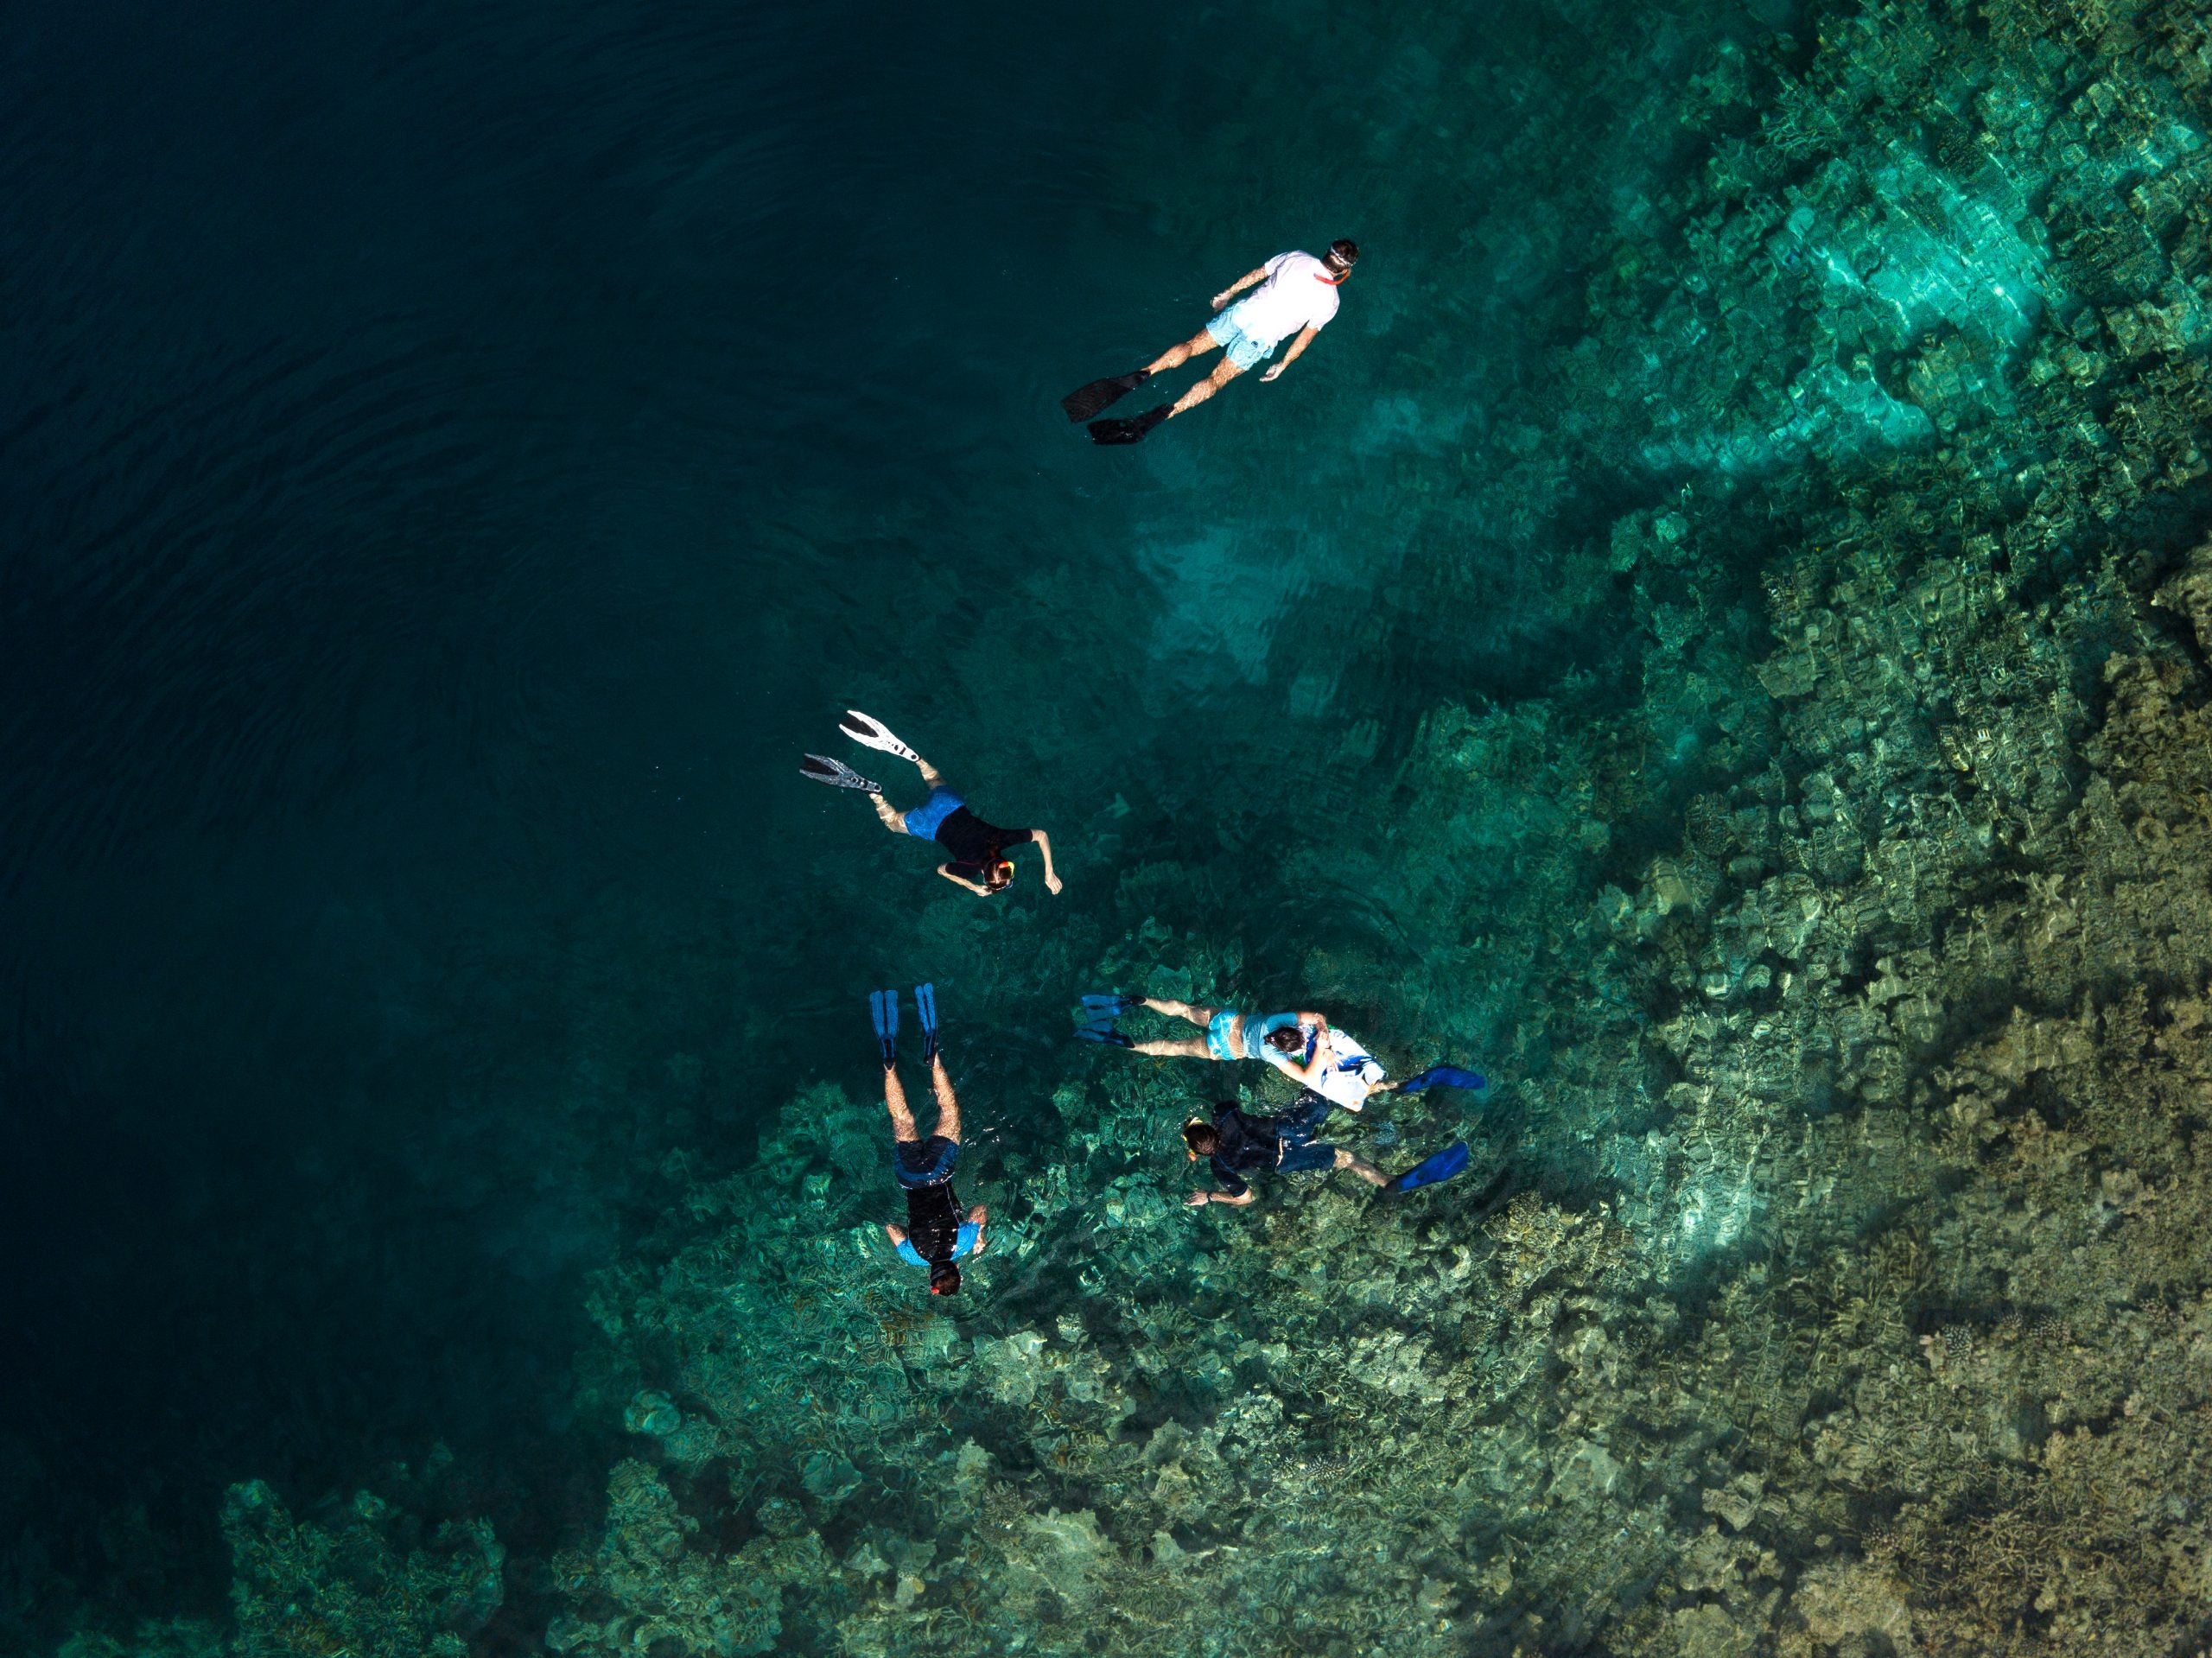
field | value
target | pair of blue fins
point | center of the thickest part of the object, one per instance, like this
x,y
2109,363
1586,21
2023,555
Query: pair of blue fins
x,y
883,1009
1101,1012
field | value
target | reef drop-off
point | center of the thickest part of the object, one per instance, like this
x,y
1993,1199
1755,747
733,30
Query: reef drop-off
x,y
1841,944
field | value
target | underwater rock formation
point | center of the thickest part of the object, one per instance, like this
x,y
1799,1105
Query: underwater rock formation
x,y
1846,957
1855,1300
362,1578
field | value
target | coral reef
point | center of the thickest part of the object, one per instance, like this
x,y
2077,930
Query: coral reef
x,y
362,1578
1845,950
1853,1298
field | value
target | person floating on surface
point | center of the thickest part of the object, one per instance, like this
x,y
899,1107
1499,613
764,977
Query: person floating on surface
x,y
1303,1046
1297,295
935,1235
1353,1073
978,861
1236,1142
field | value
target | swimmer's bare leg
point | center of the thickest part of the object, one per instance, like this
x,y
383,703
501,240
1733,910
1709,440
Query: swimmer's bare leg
x,y
894,1099
948,1102
1223,373
1175,356
1367,1172
1188,1011
1192,1047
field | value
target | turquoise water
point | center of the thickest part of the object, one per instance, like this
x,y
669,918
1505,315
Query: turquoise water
x,y
1648,650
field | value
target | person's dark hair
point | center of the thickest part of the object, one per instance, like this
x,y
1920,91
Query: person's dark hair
x,y
1202,1137
945,1278
1289,1039
998,874
1345,251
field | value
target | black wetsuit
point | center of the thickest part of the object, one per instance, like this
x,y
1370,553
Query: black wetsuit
x,y
933,1217
1245,1143
1286,1143
975,845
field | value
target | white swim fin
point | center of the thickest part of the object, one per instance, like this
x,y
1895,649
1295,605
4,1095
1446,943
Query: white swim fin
x,y
873,734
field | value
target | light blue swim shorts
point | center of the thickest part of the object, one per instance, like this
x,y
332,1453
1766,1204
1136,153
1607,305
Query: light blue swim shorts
x,y
1217,1030
1244,352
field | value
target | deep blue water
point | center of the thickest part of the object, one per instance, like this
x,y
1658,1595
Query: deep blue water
x,y
455,461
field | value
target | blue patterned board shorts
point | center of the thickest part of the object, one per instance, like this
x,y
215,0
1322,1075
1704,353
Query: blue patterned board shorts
x,y
1244,352
922,822
1305,1157
919,1163
1300,1153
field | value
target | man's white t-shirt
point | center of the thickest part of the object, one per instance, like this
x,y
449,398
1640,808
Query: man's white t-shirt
x,y
1298,294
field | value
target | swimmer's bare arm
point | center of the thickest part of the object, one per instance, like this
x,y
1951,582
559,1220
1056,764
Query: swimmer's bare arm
x,y
975,886
1311,1072
1305,339
1045,847
1257,274
977,1217
1202,1197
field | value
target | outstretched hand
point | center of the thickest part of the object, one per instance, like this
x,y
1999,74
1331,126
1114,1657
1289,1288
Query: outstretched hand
x,y
1052,884
1198,1199
1220,300
1272,373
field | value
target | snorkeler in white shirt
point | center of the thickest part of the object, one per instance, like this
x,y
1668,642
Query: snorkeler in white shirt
x,y
1297,295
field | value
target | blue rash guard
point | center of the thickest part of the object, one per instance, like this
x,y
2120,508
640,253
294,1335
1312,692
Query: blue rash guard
x,y
1254,1036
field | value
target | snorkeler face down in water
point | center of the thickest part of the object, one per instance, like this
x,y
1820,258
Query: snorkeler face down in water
x,y
1296,299
978,861
1304,1046
1236,1143
936,1237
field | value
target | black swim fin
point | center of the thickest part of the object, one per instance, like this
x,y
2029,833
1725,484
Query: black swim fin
x,y
1087,400
836,774
1129,431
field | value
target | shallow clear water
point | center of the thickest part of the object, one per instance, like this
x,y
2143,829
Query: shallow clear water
x,y
455,463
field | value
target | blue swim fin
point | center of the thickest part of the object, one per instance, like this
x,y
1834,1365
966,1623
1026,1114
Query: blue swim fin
x,y
1443,1076
1442,1166
1102,1030
926,1006
1110,1007
883,1009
